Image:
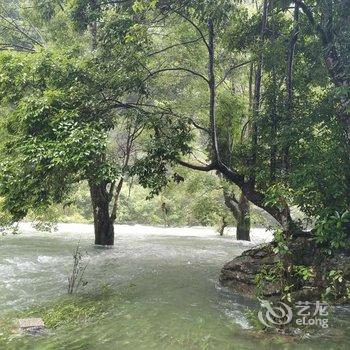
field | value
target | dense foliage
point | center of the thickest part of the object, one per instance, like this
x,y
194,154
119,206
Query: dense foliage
x,y
258,94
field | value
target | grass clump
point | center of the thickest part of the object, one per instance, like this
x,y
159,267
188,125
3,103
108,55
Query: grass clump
x,y
67,311
70,310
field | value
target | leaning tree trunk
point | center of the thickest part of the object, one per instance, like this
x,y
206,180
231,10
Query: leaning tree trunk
x,y
241,211
103,225
280,212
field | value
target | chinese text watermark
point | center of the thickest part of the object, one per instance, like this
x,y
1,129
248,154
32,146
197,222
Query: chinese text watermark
x,y
304,313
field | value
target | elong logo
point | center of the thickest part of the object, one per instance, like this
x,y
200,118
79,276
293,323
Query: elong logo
x,y
308,314
275,315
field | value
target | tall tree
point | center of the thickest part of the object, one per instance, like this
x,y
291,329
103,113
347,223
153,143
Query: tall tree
x,y
250,168
61,110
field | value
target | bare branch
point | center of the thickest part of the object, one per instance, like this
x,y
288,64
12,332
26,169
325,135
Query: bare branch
x,y
195,26
197,126
4,46
178,69
230,70
175,45
208,167
14,25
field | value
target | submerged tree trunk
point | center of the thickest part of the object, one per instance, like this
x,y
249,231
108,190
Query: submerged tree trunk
x,y
241,211
103,224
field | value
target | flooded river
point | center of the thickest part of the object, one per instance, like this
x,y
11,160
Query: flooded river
x,y
166,282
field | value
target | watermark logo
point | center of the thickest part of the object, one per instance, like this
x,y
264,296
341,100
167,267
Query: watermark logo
x,y
304,313
277,315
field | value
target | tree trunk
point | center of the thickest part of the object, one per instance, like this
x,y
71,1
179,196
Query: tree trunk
x,y
243,221
103,225
280,212
257,94
241,212
273,122
212,92
289,85
93,26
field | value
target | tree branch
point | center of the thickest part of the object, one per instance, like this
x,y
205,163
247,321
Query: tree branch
x,y
172,46
178,69
4,46
195,26
232,203
307,11
208,167
17,28
197,126
230,70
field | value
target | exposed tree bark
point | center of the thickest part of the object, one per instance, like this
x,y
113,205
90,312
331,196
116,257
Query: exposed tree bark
x,y
243,224
116,199
105,201
250,85
103,225
100,196
280,211
289,84
212,92
273,121
257,93
240,209
15,24
93,26
340,76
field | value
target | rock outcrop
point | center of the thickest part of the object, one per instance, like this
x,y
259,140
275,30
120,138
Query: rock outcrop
x,y
240,274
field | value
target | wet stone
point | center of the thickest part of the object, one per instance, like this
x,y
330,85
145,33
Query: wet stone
x,y
31,326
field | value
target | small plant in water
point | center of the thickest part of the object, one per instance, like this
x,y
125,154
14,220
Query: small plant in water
x,y
75,280
45,226
9,228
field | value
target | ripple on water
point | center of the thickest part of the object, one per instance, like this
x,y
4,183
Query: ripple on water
x,y
166,280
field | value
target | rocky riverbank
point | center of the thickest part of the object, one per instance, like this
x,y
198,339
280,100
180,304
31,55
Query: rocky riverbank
x,y
312,273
